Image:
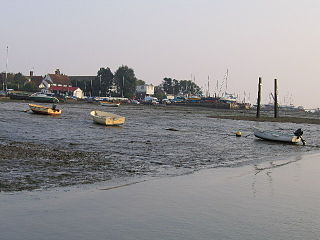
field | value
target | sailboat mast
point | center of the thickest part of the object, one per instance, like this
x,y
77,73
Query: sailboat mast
x,y
227,80
6,77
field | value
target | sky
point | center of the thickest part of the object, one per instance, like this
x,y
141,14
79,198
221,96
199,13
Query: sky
x,y
181,39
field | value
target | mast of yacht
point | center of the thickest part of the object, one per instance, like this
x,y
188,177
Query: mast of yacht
x,y
4,82
227,80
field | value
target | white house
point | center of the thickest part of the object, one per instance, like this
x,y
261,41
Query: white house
x,y
56,79
67,91
146,90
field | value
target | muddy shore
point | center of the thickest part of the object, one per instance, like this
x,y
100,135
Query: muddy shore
x,y
28,166
155,141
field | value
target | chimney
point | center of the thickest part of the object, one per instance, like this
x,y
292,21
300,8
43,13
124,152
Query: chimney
x,y
31,73
57,71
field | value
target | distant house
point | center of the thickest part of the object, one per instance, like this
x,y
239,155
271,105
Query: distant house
x,y
56,79
67,91
144,90
37,80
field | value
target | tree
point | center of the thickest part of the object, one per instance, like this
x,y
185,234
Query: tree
x,y
106,81
188,87
15,81
185,87
125,81
167,85
159,93
140,82
30,87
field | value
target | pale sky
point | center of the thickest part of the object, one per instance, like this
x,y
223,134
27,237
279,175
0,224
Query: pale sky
x,y
172,38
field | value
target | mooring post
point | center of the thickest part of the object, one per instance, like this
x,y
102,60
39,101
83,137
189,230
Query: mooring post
x,y
259,97
275,98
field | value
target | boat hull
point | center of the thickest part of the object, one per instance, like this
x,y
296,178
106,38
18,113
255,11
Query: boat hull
x,y
108,119
44,99
44,110
109,104
275,136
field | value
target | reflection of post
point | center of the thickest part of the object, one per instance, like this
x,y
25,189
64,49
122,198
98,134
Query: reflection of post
x,y
259,98
275,99
91,88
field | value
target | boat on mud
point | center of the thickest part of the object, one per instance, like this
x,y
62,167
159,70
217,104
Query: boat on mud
x,y
277,136
45,110
40,97
109,104
107,118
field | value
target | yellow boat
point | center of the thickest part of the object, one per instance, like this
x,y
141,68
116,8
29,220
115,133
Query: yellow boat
x,y
44,110
106,118
109,104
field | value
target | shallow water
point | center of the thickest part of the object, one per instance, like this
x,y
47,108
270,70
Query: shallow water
x,y
226,203
144,146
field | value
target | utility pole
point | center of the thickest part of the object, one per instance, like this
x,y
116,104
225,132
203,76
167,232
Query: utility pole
x,y
275,98
259,98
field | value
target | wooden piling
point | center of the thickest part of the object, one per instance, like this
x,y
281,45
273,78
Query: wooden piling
x,y
275,98
259,98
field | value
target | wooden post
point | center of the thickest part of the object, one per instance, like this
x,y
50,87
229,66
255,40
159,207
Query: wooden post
x,y
275,99
259,97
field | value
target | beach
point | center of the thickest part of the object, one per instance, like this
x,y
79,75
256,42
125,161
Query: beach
x,y
273,200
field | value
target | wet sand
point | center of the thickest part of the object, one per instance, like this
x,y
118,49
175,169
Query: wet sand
x,y
272,200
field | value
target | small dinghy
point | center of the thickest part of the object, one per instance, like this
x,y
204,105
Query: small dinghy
x,y
109,104
45,110
279,136
106,118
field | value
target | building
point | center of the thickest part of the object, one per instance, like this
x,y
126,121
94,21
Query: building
x,y
56,79
144,90
37,80
66,91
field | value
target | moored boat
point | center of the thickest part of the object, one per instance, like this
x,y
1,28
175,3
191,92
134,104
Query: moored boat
x,y
109,104
106,118
40,97
279,136
44,110
19,95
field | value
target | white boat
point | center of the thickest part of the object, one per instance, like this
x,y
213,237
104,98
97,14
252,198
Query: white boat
x,y
106,118
279,136
109,104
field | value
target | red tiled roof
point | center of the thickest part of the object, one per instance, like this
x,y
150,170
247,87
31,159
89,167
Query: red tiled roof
x,y
37,80
63,89
60,79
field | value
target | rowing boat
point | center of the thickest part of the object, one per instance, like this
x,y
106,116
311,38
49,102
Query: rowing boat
x,y
107,118
44,110
109,104
279,136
